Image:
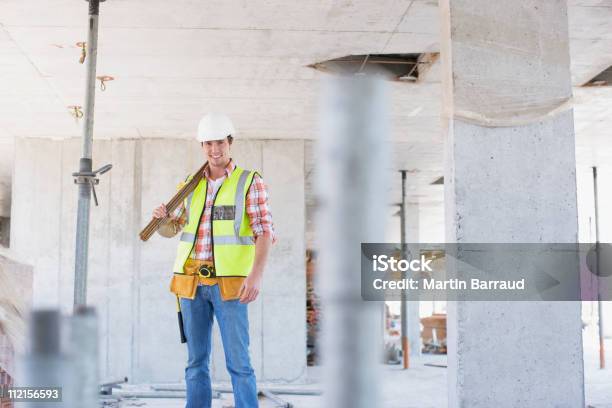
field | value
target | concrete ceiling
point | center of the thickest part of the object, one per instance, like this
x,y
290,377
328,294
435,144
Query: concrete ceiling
x,y
174,61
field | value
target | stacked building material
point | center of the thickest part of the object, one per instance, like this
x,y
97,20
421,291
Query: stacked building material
x,y
434,333
5,381
312,310
15,302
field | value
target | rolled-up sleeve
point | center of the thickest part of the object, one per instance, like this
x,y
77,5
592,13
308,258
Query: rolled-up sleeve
x,y
258,209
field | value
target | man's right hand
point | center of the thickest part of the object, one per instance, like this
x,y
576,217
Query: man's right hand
x,y
171,223
160,212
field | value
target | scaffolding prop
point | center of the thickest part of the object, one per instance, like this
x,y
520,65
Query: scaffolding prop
x,y
86,178
404,305
602,351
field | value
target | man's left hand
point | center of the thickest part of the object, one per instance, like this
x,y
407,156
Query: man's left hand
x,y
250,287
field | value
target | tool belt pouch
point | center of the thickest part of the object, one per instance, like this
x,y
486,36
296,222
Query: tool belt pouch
x,y
230,288
190,267
183,285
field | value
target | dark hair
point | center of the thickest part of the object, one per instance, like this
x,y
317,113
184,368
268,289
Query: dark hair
x,y
230,139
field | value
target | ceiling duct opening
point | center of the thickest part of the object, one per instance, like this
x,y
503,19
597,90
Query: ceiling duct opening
x,y
438,181
396,67
604,78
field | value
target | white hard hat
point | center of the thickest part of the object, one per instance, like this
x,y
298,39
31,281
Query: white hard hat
x,y
215,126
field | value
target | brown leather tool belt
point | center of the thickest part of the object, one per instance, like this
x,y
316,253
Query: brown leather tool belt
x,y
185,284
204,269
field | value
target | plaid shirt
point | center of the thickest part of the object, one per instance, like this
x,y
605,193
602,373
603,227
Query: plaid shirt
x,y
257,209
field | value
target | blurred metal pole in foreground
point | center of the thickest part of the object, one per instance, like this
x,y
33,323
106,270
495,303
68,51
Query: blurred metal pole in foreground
x,y
83,342
44,364
353,167
404,305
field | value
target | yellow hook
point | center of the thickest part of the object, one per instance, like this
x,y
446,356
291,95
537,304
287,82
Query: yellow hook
x,y
103,80
83,46
76,111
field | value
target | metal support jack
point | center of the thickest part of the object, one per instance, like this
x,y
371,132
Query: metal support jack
x,y
602,350
404,305
85,178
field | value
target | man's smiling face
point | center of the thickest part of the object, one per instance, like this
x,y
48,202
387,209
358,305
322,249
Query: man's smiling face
x,y
217,152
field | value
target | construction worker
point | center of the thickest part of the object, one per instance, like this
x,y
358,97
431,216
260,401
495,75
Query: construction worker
x,y
227,232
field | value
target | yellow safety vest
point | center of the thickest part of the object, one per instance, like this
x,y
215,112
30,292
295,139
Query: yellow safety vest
x,y
232,237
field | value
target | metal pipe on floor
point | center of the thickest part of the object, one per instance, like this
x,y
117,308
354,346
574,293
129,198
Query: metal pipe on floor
x,y
155,394
352,176
228,389
109,383
279,403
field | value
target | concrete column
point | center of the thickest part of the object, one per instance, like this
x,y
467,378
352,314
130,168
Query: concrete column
x,y
157,354
510,177
284,286
36,180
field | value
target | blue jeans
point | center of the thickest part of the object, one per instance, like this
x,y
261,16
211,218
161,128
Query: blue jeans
x,y
233,323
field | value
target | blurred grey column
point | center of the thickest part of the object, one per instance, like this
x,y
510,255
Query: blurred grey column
x,y
83,350
44,364
352,171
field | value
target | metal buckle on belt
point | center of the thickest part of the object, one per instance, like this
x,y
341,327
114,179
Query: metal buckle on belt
x,y
206,271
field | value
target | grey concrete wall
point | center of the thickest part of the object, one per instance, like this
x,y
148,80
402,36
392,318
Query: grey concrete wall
x,y
128,280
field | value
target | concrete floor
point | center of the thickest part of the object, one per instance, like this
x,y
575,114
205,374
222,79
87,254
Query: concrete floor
x,y
420,387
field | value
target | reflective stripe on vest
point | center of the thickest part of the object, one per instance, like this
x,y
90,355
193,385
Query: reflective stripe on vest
x,y
233,240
